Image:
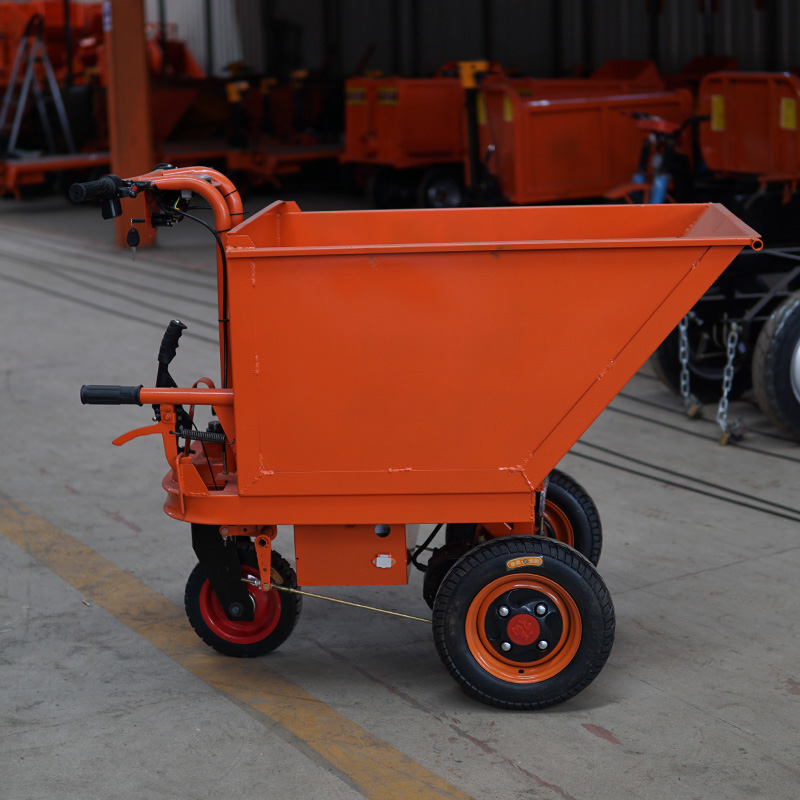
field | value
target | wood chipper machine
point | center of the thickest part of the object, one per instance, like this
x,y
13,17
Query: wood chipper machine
x,y
380,370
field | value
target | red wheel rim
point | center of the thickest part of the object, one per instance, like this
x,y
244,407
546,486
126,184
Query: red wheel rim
x,y
557,524
513,671
265,618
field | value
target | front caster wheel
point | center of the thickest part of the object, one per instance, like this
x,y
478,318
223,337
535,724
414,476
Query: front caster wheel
x,y
523,622
275,612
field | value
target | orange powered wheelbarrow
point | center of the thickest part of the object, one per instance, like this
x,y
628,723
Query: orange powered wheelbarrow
x,y
385,369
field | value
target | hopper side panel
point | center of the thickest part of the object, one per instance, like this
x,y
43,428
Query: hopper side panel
x,y
438,373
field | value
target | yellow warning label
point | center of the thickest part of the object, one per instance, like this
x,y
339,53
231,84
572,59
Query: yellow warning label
x,y
508,109
483,114
717,112
788,112
387,96
524,561
355,96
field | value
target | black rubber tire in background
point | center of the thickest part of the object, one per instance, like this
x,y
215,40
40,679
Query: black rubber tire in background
x,y
564,495
440,187
462,614
776,348
245,639
704,383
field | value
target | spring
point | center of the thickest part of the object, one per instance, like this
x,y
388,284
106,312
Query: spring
x,y
200,436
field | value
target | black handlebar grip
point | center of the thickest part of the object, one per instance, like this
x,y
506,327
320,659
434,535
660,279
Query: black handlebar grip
x,y
169,342
110,395
105,188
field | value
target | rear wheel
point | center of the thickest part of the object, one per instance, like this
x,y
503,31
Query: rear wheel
x,y
523,622
776,367
570,516
275,613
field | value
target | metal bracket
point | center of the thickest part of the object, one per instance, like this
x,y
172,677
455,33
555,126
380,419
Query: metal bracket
x,y
221,563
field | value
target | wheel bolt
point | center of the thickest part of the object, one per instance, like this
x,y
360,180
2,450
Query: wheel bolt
x,y
503,611
542,645
541,610
506,646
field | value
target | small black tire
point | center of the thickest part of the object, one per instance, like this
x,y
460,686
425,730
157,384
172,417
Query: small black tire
x,y
440,187
776,367
276,612
570,516
523,622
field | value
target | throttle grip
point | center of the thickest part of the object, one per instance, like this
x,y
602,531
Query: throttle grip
x,y
105,188
110,395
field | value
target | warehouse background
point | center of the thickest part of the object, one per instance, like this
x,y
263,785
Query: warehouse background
x,y
551,38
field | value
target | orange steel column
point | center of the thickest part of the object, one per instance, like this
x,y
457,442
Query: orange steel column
x,y
129,117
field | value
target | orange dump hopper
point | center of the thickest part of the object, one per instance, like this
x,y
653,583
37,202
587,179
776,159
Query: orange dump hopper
x,y
436,364
564,148
753,124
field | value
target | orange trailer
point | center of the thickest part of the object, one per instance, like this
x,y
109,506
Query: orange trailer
x,y
753,125
358,399
564,148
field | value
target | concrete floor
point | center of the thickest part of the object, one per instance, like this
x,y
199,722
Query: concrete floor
x,y
107,693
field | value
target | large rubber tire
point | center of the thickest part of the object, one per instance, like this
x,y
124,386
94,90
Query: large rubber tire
x,y
523,622
705,381
776,367
570,516
276,612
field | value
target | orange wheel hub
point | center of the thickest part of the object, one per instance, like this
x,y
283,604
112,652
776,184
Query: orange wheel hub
x,y
523,628
557,524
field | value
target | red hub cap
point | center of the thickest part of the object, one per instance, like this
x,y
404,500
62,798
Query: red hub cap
x,y
523,629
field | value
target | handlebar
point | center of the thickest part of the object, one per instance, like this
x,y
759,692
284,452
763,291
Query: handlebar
x,y
212,185
110,395
106,188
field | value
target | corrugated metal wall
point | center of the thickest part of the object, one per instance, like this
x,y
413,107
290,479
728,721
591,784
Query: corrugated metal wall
x,y
416,36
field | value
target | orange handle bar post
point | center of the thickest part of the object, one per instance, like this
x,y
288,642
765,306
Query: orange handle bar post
x,y
194,397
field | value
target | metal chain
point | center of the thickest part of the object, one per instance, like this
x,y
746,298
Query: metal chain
x,y
727,383
683,354
691,404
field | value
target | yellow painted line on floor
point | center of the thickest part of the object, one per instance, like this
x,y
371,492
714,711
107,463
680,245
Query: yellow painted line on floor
x,y
377,770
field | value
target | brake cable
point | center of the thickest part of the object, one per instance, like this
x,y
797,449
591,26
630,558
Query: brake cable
x,y
224,321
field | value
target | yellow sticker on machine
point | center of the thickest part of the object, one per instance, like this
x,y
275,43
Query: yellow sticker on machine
x,y
387,96
788,114
524,561
483,114
717,113
508,109
355,96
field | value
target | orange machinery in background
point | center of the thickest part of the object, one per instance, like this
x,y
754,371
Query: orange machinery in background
x,y
415,131
753,125
559,147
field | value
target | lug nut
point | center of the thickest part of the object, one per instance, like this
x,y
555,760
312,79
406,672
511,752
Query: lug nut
x,y
503,611
542,645
506,646
541,610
